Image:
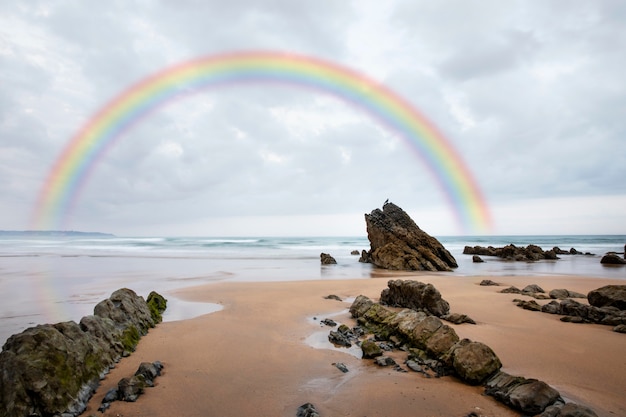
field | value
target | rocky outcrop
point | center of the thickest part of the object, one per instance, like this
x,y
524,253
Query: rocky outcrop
x,y
53,369
415,295
130,388
608,296
327,259
612,259
511,252
397,243
434,349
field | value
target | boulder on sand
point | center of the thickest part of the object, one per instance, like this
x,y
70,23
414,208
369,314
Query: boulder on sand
x,y
397,243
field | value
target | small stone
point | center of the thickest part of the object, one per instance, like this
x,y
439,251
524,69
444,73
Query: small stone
x,y
341,366
333,297
307,410
385,361
329,322
488,282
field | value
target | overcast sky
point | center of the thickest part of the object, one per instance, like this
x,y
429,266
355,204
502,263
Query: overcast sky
x,y
531,93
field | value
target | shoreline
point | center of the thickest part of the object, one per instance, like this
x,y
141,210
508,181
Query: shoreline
x,y
256,349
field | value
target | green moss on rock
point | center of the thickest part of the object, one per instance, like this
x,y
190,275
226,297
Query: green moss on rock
x,y
157,305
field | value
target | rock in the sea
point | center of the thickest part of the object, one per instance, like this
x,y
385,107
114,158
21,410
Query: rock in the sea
x,y
415,295
307,410
327,259
397,243
511,252
53,369
608,296
612,259
477,259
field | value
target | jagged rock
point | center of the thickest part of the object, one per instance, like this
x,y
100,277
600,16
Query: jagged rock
x,y
457,318
129,389
149,372
53,369
612,259
511,252
608,296
488,282
477,259
157,305
397,243
511,290
307,410
528,305
527,395
561,294
415,295
326,259
370,349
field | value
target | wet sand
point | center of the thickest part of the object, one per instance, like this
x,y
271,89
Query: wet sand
x,y
255,356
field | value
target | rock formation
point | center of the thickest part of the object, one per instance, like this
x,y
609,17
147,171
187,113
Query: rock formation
x,y
511,252
397,243
415,295
436,350
327,259
613,259
53,369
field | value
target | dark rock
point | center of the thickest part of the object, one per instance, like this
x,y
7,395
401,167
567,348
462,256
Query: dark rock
x,y
511,252
415,295
477,259
326,259
527,395
608,296
457,318
385,361
414,366
54,369
612,259
129,389
528,305
365,257
620,328
511,290
488,282
370,349
397,243
354,252
341,366
157,305
553,307
149,372
568,410
307,410
329,322
533,288
333,297
474,362
572,319
342,336
561,294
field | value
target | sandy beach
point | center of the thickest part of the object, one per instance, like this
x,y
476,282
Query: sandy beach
x,y
264,353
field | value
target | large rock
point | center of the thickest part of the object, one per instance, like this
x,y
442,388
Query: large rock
x,y
474,362
612,259
415,295
53,369
527,395
608,296
397,243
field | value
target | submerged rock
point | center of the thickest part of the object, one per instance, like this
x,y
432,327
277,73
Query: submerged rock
x,y
397,243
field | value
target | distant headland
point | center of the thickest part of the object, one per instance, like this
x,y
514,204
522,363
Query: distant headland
x,y
67,233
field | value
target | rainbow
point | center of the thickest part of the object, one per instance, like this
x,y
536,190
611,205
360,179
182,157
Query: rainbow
x,y
71,170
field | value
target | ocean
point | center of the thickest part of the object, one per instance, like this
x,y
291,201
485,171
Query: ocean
x,y
47,279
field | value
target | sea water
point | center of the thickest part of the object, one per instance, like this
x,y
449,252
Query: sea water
x,y
56,278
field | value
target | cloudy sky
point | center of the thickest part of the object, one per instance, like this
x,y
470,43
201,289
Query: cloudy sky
x,y
532,94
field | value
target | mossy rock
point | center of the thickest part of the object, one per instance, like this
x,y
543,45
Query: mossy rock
x,y
157,305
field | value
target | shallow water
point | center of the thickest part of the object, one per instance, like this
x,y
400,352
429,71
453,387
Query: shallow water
x,y
48,280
